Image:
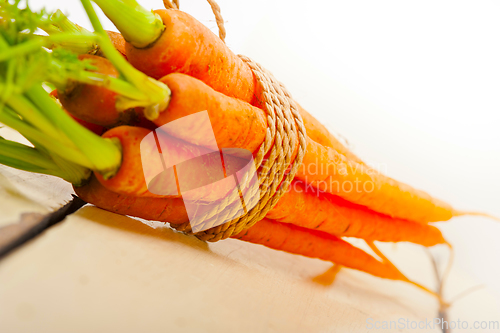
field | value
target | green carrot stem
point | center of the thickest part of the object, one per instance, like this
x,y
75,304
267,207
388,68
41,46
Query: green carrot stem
x,y
19,156
137,90
25,154
104,154
9,118
129,95
73,173
61,23
138,26
31,114
35,44
62,147
21,165
158,93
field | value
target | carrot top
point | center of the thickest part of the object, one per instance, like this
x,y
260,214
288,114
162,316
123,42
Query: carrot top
x,y
59,145
138,26
134,88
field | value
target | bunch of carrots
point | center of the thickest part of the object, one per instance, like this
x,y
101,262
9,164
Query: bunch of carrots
x,y
86,100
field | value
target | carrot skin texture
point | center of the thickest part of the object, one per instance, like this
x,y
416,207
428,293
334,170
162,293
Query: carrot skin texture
x,y
331,172
201,175
187,46
306,207
236,124
322,166
178,50
92,103
130,176
298,206
158,209
118,42
389,197
314,244
97,129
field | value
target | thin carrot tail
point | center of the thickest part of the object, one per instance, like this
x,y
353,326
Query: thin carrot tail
x,y
328,278
315,244
465,213
446,273
404,278
443,304
441,279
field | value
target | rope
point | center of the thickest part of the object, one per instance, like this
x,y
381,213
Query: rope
x,y
272,161
170,5
215,9
218,19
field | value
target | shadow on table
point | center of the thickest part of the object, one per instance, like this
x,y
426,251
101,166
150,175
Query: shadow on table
x,y
347,288
126,223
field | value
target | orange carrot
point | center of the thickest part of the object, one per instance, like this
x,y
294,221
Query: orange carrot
x,y
179,50
331,172
130,176
315,244
236,124
187,46
300,205
276,235
202,173
181,44
93,103
158,209
97,129
322,166
118,42
306,207
332,168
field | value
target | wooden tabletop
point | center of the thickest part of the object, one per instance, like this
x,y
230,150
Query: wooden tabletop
x,y
98,271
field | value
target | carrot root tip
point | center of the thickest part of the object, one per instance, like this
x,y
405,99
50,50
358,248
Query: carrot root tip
x,y
465,213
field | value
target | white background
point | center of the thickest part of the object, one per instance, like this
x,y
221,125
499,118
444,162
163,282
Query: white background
x,y
413,85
